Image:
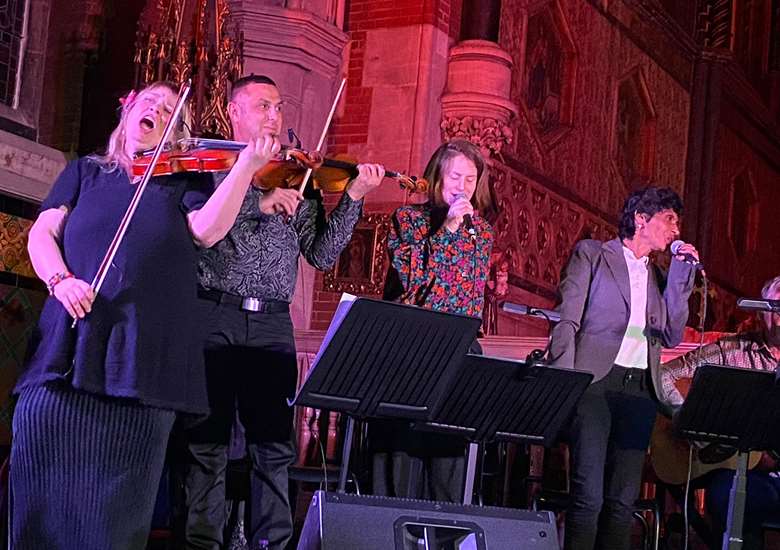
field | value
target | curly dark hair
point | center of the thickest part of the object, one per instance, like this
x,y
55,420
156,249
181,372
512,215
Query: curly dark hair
x,y
650,201
245,81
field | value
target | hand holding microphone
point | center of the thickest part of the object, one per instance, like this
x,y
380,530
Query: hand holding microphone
x,y
460,212
687,253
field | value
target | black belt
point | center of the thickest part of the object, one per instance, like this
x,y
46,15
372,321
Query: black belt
x,y
245,303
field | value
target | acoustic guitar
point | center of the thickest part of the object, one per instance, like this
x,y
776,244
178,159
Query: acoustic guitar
x,y
669,455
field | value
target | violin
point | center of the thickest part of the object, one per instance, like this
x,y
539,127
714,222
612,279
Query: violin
x,y
286,170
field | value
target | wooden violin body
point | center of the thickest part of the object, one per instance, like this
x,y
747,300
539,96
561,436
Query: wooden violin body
x,y
286,170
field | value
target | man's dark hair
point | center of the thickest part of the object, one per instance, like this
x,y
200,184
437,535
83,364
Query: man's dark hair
x,y
245,81
650,201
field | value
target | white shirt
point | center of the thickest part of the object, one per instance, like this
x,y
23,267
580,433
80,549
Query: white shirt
x,y
633,349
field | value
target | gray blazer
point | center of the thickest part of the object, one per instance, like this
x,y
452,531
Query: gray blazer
x,y
596,298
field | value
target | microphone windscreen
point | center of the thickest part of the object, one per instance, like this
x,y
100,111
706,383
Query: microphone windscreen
x,y
675,247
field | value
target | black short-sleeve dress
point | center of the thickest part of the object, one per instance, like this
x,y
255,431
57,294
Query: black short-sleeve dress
x,y
141,339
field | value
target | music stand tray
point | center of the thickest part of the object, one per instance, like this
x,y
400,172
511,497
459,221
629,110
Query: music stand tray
x,y
736,407
492,398
500,399
731,406
383,359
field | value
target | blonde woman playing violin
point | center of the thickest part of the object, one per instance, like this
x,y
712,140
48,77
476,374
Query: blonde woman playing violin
x,y
96,403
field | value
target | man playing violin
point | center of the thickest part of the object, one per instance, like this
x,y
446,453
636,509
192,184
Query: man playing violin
x,y
247,282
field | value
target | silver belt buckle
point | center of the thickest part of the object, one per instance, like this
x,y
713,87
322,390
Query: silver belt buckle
x,y
251,304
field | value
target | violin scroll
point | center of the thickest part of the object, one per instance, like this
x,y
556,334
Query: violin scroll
x,y
412,184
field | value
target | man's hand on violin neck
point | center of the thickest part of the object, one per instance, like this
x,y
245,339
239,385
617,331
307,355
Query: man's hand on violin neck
x,y
258,152
369,177
280,201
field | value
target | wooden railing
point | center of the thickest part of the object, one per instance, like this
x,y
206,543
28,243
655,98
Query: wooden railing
x,y
311,423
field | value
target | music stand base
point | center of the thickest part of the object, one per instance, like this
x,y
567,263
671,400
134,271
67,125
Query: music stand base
x,y
471,472
345,454
732,538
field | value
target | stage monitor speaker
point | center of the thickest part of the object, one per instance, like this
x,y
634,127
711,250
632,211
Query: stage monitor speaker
x,y
350,522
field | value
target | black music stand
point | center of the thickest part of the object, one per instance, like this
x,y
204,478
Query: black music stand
x,y
505,400
736,407
383,359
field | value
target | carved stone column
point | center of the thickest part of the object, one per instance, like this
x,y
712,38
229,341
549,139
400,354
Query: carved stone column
x,y
713,34
301,51
476,103
706,91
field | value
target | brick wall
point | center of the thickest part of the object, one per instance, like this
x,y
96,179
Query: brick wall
x,y
351,127
350,131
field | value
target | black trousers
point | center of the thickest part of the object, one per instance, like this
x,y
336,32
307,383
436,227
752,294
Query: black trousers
x,y
251,365
608,440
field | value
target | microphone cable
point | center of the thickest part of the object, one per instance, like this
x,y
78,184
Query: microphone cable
x,y
702,326
687,496
473,299
702,316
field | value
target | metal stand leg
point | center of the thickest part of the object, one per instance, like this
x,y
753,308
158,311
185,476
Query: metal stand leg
x,y
732,538
345,452
471,471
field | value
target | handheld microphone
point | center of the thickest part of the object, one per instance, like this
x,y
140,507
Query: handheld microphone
x,y
522,309
689,258
772,306
467,223
293,138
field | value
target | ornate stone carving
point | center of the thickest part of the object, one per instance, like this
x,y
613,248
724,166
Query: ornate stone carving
x,y
633,131
545,72
362,265
208,51
488,133
28,169
774,39
536,229
713,24
476,102
13,245
496,289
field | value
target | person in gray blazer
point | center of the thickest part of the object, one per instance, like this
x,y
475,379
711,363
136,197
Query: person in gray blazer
x,y
617,310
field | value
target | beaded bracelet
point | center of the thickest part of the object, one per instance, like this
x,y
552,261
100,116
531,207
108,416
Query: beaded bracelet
x,y
56,279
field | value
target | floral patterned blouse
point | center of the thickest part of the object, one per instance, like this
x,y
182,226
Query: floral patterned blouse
x,y
441,270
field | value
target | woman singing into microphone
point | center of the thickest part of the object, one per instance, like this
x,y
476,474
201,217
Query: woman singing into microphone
x,y
440,250
439,254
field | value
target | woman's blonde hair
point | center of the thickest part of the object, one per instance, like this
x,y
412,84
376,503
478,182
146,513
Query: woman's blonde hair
x,y
115,155
482,200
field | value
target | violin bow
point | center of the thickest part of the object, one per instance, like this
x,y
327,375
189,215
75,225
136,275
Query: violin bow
x,y
321,142
100,276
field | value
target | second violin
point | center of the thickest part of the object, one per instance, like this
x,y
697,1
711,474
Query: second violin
x,y
287,170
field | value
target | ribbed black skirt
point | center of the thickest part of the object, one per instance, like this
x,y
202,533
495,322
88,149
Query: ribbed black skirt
x,y
84,470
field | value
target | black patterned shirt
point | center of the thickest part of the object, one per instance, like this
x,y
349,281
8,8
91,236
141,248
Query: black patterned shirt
x,y
259,256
